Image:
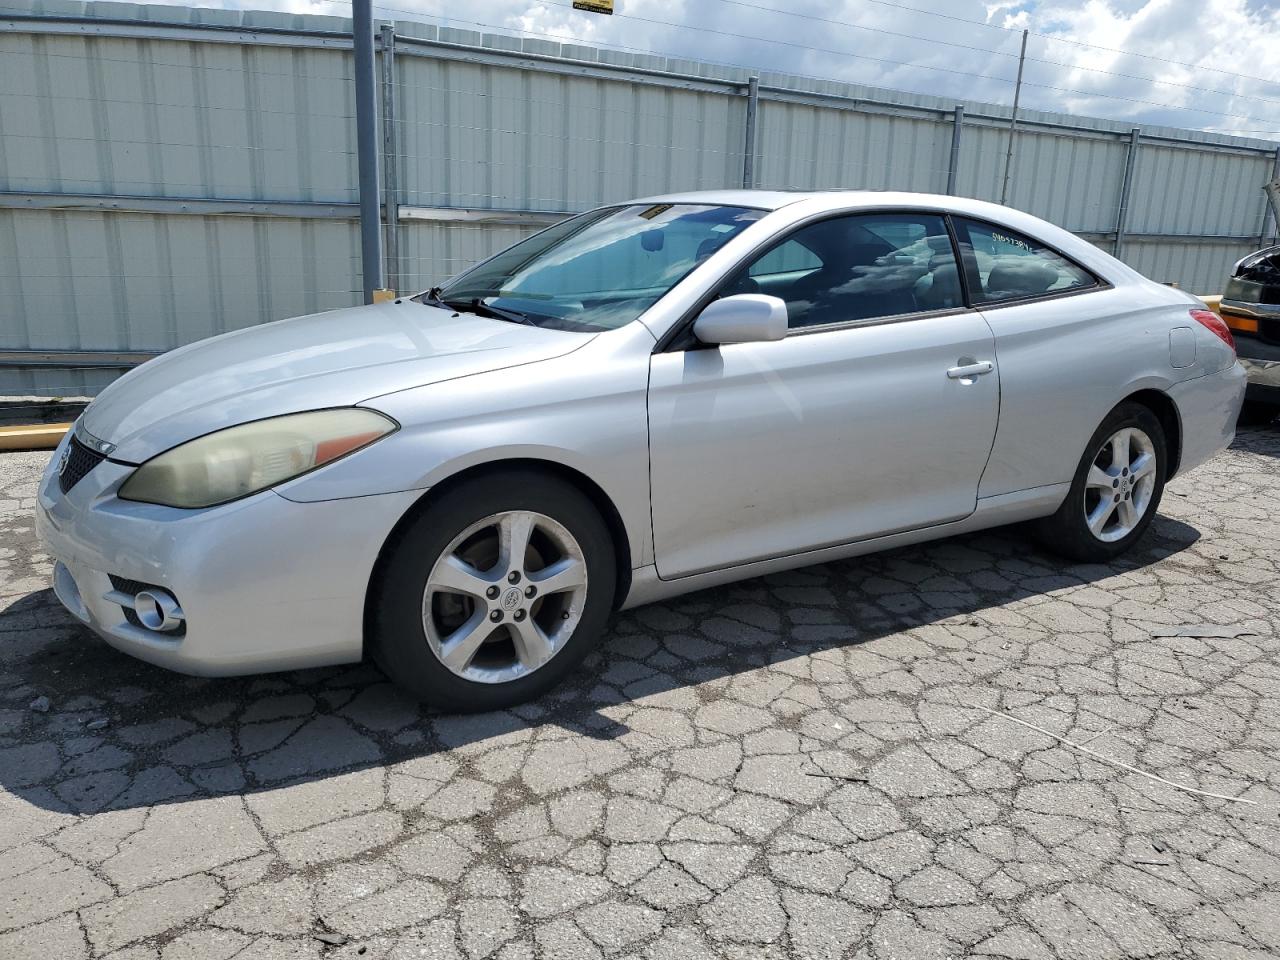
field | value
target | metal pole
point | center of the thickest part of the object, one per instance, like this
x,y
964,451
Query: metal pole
x,y
1122,209
1273,204
1013,120
367,147
749,146
953,169
389,161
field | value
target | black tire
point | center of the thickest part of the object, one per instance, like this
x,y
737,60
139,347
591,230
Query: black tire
x,y
1256,413
1066,532
397,637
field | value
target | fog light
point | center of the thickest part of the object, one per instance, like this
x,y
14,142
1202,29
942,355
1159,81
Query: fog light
x,y
157,610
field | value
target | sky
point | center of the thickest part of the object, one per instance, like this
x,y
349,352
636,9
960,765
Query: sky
x,y
1200,64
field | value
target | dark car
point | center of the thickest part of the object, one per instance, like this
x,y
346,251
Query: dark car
x,y
1251,308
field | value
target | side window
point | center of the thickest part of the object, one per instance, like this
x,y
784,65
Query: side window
x,y
790,256
857,268
1011,266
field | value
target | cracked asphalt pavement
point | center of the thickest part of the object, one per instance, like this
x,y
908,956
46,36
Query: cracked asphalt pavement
x,y
962,749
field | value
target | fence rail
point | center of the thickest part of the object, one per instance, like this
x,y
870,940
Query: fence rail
x,y
166,180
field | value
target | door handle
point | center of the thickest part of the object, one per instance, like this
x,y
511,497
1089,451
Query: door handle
x,y
967,370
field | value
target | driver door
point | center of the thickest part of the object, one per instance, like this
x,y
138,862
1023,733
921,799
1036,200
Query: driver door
x,y
856,425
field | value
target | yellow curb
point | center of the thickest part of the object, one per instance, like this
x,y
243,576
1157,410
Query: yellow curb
x,y
38,436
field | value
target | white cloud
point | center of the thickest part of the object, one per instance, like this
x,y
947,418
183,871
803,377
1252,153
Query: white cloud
x,y
1188,54
1008,13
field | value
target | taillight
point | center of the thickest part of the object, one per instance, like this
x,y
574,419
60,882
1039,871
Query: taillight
x,y
1215,325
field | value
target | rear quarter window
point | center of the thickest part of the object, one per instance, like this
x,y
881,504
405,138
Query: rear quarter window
x,y
1011,266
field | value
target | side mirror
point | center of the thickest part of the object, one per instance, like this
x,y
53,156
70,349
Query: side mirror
x,y
742,318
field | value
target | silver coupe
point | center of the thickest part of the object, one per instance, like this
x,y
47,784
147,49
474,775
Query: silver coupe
x,y
643,400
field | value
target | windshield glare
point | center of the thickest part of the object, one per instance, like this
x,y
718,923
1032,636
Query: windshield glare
x,y
603,269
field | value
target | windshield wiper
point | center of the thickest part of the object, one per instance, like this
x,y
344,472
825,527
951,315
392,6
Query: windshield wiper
x,y
432,297
476,305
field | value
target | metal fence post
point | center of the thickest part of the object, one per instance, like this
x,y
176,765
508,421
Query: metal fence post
x,y
953,168
1126,184
390,163
367,147
1273,206
749,144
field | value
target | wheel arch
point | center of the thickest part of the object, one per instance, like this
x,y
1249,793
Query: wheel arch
x,y
1166,411
576,478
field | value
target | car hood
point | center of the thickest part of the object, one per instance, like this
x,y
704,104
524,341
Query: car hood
x,y
329,359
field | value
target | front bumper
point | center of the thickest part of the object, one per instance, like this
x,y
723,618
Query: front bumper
x,y
264,583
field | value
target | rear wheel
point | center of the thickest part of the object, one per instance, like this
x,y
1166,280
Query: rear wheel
x,y
1116,489
494,592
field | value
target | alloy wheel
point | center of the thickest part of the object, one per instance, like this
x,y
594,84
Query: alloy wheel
x,y
1120,484
504,597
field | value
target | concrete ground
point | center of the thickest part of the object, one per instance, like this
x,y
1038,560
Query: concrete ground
x,y
967,749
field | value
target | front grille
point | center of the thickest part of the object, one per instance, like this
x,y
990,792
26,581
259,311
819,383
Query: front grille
x,y
79,461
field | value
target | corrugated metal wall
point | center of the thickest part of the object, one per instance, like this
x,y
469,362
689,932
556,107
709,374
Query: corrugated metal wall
x,y
119,124
486,135
1073,181
814,147
85,114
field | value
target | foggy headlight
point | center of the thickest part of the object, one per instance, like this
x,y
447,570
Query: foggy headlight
x,y
241,460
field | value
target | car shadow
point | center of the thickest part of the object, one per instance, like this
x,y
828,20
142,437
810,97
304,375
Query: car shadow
x,y
118,733
1263,440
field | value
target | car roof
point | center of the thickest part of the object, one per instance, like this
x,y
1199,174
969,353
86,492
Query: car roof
x,y
758,199
835,199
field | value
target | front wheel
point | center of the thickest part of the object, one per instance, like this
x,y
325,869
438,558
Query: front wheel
x,y
494,592
1116,489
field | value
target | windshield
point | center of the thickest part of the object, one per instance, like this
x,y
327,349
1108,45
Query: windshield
x,y
600,270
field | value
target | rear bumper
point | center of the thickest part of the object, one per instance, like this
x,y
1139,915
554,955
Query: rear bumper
x,y
1264,379
1208,407
1260,359
264,583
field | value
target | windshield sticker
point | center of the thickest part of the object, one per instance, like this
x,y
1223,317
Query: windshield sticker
x,y
655,210
1011,241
